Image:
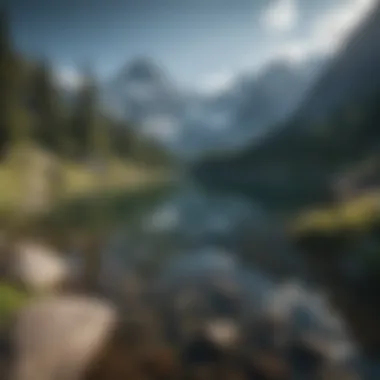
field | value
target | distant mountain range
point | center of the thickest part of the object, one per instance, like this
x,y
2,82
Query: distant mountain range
x,y
335,126
141,90
192,123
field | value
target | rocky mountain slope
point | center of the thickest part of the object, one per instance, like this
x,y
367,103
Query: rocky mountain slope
x,y
190,122
334,127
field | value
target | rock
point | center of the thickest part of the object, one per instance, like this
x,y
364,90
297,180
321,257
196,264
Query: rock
x,y
305,359
338,373
223,332
334,351
57,337
270,366
161,363
360,180
37,267
6,351
268,332
200,351
127,355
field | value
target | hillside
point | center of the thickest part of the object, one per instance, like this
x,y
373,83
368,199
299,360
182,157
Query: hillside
x,y
56,145
335,126
29,181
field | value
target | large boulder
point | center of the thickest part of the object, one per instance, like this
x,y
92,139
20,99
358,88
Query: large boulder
x,y
37,267
58,337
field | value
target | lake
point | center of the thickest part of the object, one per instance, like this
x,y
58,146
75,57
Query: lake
x,y
184,234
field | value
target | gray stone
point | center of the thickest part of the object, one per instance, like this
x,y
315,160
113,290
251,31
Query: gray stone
x,y
37,267
57,337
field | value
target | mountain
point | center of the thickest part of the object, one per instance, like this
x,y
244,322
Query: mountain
x,y
274,94
142,93
144,89
191,123
335,126
250,107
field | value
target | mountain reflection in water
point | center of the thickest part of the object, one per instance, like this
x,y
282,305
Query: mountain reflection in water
x,y
195,241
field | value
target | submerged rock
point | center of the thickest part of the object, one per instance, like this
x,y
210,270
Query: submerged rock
x,y
223,332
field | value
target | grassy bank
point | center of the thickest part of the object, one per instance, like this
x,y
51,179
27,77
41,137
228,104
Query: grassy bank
x,y
83,215
356,214
345,232
82,199
77,180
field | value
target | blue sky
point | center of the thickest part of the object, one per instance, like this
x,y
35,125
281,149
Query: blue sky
x,y
201,43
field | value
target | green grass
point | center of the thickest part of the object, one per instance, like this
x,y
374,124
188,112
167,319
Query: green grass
x,y
87,205
355,214
78,181
111,208
11,300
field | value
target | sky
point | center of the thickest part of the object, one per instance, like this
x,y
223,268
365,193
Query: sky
x,y
202,44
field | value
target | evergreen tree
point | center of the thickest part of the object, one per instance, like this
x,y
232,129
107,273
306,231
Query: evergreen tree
x,y
14,119
11,119
89,131
5,38
121,138
84,116
44,101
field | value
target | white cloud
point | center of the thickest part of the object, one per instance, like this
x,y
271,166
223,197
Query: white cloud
x,y
68,78
326,35
328,32
280,16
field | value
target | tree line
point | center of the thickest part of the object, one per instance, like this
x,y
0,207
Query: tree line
x,y
33,108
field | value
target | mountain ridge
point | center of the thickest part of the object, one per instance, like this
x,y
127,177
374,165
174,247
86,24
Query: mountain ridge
x,y
334,127
195,122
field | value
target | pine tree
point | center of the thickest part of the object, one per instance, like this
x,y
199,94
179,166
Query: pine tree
x,y
83,117
14,119
10,123
100,154
5,38
44,101
89,130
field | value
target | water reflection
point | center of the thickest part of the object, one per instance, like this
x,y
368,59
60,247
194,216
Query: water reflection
x,y
194,242
195,214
